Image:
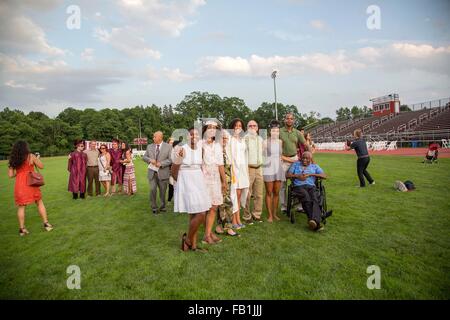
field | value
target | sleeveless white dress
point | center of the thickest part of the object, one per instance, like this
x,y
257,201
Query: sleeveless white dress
x,y
102,163
190,192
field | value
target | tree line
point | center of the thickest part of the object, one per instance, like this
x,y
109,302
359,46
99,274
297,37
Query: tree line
x,y
55,136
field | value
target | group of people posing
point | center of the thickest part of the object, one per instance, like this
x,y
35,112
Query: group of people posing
x,y
216,172
113,168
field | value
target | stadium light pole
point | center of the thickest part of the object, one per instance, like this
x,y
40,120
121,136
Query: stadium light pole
x,y
274,76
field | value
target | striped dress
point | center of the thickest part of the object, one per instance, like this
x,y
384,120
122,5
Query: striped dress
x,y
128,176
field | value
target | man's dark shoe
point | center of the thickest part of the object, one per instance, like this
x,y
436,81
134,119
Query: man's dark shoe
x,y
312,225
162,210
155,211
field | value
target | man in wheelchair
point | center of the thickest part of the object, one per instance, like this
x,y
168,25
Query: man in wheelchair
x,y
304,175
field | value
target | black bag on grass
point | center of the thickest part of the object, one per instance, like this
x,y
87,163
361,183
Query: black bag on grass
x,y
409,185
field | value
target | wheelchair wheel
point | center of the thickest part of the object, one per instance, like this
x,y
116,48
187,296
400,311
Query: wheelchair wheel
x,y
290,212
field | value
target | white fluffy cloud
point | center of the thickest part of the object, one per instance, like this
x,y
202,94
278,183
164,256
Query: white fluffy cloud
x,y
395,57
318,24
127,40
338,63
176,75
87,54
19,34
29,83
168,17
408,56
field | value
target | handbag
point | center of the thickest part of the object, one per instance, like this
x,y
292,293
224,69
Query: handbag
x,y
35,179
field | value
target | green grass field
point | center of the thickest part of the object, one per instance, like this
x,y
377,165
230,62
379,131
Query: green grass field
x,y
125,252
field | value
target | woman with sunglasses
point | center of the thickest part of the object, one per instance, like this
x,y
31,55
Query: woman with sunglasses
x,y
104,167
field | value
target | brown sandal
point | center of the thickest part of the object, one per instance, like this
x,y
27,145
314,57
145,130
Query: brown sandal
x,y
208,240
184,243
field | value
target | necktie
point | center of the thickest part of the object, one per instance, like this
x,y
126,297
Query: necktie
x,y
157,151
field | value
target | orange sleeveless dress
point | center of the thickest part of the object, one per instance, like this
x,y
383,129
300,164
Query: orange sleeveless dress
x,y
23,193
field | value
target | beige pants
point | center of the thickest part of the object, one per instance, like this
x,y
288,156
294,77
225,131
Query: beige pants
x,y
255,190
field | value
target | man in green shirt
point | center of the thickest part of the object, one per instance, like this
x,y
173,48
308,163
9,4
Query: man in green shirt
x,y
292,138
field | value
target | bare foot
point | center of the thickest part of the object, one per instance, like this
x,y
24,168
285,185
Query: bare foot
x,y
270,220
276,218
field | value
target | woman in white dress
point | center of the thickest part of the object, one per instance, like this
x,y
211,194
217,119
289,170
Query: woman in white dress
x,y
237,151
104,168
190,191
213,170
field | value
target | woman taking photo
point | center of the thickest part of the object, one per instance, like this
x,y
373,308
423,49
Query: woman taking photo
x,y
273,173
21,163
104,169
360,147
213,169
190,191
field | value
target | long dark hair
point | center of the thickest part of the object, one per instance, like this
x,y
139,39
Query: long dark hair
x,y
19,154
124,151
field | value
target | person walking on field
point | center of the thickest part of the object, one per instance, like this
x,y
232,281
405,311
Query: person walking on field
x,y
21,163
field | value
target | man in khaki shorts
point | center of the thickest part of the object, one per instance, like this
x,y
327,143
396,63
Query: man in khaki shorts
x,y
291,138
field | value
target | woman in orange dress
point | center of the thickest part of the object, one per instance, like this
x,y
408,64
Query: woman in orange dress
x,y
21,162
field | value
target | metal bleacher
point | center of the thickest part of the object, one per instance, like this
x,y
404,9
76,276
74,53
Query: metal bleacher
x,y
435,118
439,122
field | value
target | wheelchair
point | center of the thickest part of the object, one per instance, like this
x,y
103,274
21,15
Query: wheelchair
x,y
293,200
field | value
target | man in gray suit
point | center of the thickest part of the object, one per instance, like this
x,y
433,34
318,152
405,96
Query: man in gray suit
x,y
157,156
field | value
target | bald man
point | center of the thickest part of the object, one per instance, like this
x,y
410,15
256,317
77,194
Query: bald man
x,y
157,156
255,161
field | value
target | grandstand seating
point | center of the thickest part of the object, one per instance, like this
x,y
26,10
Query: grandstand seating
x,y
421,120
403,121
440,122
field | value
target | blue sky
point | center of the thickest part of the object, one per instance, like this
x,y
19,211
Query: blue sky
x,y
133,52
